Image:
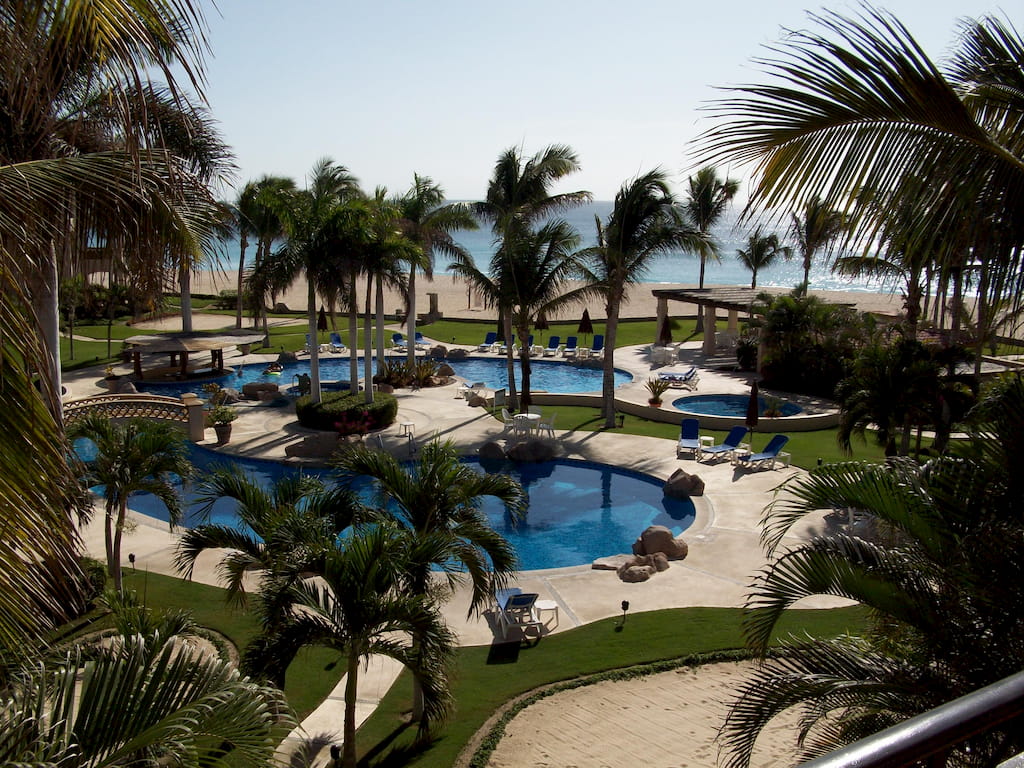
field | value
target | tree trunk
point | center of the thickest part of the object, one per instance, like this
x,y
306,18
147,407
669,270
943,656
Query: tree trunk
x,y
513,398
353,335
380,323
981,306
348,749
368,343
115,553
314,348
410,321
45,307
524,362
185,282
608,377
241,280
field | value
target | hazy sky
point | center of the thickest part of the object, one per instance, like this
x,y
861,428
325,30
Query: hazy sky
x,y
442,87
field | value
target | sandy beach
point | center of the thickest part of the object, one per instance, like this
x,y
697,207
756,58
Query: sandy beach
x,y
454,301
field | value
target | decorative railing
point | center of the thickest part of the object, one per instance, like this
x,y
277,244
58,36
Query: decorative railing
x,y
128,407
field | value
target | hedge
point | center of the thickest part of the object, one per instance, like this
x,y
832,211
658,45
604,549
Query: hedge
x,y
348,410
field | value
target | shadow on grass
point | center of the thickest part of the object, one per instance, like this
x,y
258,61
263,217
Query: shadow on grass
x,y
380,756
503,653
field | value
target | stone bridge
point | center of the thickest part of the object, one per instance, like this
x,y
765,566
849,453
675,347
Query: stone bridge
x,y
186,410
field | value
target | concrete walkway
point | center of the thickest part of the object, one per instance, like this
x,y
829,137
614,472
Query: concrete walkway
x,y
724,548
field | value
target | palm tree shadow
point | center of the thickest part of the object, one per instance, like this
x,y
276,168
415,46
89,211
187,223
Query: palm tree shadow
x,y
395,756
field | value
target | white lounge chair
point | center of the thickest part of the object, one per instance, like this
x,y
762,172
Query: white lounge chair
x,y
519,611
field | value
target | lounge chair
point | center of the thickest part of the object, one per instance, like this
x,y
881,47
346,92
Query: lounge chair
x,y
519,611
729,445
488,342
689,438
470,389
552,348
420,341
688,380
597,348
337,345
398,341
310,344
570,347
765,457
535,349
503,347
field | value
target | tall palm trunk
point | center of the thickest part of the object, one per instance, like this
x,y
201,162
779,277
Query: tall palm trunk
x,y
314,348
380,323
410,321
244,243
510,360
43,288
608,377
524,361
348,750
114,562
185,283
353,334
981,305
368,343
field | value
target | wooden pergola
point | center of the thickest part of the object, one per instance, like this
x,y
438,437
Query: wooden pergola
x,y
709,300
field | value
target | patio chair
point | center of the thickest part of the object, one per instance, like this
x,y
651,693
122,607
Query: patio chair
x,y
420,341
552,348
519,611
729,445
488,342
547,424
337,345
597,348
398,341
689,438
507,419
765,457
308,348
570,347
688,380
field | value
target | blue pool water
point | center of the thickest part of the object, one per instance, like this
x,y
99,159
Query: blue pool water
x,y
726,405
578,511
545,375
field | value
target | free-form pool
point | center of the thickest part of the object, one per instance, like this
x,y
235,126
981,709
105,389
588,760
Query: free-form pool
x,y
727,405
544,375
579,511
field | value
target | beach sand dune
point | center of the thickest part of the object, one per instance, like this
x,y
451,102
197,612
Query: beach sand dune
x,y
455,301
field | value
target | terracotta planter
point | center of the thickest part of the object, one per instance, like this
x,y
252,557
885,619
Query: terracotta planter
x,y
223,432
654,403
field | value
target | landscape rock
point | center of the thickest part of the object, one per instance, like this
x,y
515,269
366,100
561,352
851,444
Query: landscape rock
x,y
492,451
682,485
531,450
439,352
476,401
386,388
612,563
287,357
124,387
252,390
658,538
445,370
230,395
634,574
457,354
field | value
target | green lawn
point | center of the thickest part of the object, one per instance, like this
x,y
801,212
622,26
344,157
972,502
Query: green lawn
x,y
488,676
630,332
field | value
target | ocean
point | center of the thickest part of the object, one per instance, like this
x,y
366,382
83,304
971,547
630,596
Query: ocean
x,y
672,268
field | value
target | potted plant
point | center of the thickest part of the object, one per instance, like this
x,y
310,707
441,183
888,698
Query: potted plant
x,y
657,388
220,418
111,378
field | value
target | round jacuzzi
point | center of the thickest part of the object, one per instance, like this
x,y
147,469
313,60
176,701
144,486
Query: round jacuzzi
x,y
733,406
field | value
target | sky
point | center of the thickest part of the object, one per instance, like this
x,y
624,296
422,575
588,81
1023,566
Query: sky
x,y
441,88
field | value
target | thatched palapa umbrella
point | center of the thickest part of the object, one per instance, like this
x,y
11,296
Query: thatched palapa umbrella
x,y
586,327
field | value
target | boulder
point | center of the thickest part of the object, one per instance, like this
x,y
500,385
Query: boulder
x,y
124,387
445,370
492,451
531,450
252,390
636,573
658,538
230,395
476,401
287,357
612,563
457,354
682,485
439,352
387,388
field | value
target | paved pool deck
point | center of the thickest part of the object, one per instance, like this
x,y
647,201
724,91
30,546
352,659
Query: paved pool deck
x,y
724,546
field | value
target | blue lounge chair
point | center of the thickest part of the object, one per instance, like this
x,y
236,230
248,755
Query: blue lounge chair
x,y
488,342
597,348
503,347
765,457
570,347
689,438
519,611
552,348
337,345
398,341
421,342
688,380
729,445
310,344
535,349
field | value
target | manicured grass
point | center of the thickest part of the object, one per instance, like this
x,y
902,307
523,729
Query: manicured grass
x,y
311,676
630,332
488,676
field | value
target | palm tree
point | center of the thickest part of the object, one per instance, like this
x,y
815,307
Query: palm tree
x,y
817,228
644,224
518,196
288,529
705,203
761,252
131,457
429,224
360,608
860,109
313,219
940,580
437,499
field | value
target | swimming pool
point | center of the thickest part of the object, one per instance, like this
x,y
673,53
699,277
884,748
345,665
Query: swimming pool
x,y
545,375
727,405
579,511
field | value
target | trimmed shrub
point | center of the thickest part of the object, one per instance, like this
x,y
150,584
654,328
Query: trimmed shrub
x,y
347,408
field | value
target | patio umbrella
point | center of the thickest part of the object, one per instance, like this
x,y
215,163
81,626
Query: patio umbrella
x,y
665,333
541,325
585,327
321,320
753,407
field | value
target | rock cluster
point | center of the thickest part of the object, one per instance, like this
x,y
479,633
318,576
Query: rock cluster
x,y
682,485
529,450
258,390
651,554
